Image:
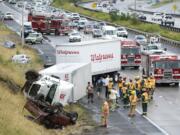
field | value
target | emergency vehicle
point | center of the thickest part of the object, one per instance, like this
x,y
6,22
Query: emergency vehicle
x,y
48,25
130,54
164,67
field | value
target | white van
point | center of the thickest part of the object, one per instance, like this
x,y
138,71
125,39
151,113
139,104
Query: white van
x,y
109,32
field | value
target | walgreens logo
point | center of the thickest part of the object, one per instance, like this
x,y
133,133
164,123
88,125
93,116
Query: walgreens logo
x,y
67,52
101,57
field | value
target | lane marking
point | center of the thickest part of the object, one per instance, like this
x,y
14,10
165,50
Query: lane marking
x,y
153,123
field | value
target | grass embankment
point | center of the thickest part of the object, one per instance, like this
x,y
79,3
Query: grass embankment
x,y
135,24
12,120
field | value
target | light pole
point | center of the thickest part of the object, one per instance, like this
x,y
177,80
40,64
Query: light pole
x,y
22,25
135,4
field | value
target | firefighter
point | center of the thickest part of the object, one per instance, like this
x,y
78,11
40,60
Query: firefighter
x,y
138,86
105,114
90,92
145,100
125,95
110,86
153,85
120,85
133,103
113,97
149,87
144,82
106,82
131,85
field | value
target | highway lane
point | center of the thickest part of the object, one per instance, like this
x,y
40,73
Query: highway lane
x,y
164,110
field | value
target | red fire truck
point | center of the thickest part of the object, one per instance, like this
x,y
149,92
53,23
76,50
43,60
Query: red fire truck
x,y
130,54
48,25
165,67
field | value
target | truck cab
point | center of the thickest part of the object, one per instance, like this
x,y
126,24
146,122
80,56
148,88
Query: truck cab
x,y
164,67
130,54
52,88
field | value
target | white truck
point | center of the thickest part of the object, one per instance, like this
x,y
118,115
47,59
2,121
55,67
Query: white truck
x,y
104,55
53,89
79,74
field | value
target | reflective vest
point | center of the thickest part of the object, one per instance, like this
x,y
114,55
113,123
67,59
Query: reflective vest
x,y
148,85
110,85
145,97
138,85
105,110
131,86
133,99
124,91
120,84
153,82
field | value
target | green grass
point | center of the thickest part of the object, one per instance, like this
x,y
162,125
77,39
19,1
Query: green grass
x,y
151,28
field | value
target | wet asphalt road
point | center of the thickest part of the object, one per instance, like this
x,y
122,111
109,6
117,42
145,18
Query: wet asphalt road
x,y
164,111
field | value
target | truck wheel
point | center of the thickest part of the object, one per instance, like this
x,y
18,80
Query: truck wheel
x,y
122,68
56,32
136,67
176,84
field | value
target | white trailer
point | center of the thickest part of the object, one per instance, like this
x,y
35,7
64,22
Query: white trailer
x,y
104,55
79,74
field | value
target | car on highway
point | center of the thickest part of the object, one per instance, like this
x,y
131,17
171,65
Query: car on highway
x,y
167,20
12,1
9,44
142,17
75,36
34,38
8,16
122,32
75,16
97,33
20,4
152,49
82,23
157,17
21,58
141,39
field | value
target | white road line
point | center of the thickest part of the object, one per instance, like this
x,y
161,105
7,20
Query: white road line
x,y
152,122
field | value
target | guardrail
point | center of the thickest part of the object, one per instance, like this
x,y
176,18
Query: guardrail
x,y
162,39
174,29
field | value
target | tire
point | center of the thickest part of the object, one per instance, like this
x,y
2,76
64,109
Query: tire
x,y
176,84
73,116
122,68
136,67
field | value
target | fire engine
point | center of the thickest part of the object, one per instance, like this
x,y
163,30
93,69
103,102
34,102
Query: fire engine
x,y
130,54
164,67
48,25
